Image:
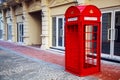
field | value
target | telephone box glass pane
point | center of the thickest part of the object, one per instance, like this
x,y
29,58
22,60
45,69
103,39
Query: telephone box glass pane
x,y
94,36
88,28
90,46
94,45
95,29
88,36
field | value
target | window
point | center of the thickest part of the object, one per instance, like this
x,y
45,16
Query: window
x,y
9,32
58,31
106,30
106,24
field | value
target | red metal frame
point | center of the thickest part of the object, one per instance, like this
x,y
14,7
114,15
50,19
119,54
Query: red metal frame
x,y
82,40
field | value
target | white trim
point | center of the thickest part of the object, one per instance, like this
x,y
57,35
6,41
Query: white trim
x,y
115,56
112,55
105,55
116,10
63,32
108,57
20,43
55,51
59,48
9,36
112,34
57,18
19,31
111,52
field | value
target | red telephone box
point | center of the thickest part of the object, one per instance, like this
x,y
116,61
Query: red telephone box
x,y
82,40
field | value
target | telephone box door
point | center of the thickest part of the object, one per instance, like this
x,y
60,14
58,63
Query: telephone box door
x,y
91,47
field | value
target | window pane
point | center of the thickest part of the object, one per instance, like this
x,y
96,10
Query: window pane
x,y
54,31
60,31
94,36
106,25
117,34
0,34
9,32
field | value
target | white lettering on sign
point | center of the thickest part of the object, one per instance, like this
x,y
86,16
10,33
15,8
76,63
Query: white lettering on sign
x,y
90,18
73,19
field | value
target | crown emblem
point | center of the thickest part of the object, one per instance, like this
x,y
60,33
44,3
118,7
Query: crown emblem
x,y
91,11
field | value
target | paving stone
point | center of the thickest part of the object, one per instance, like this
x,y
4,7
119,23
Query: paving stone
x,y
27,63
16,67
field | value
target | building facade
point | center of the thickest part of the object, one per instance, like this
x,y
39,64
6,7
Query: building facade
x,y
110,27
41,22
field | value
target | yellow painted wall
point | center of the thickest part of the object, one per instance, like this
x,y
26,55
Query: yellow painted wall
x,y
35,28
103,3
32,22
60,10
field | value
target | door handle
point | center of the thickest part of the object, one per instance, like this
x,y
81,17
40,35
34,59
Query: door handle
x,y
112,34
109,34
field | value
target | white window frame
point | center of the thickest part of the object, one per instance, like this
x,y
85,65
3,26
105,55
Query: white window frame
x,y
57,25
111,42
18,33
9,24
114,56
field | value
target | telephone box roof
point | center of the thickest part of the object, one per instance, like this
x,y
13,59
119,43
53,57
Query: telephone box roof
x,y
85,10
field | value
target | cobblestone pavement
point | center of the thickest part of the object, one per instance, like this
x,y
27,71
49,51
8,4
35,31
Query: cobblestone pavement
x,y
18,62
14,66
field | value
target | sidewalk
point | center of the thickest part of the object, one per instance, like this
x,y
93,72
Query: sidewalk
x,y
34,52
17,66
109,70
